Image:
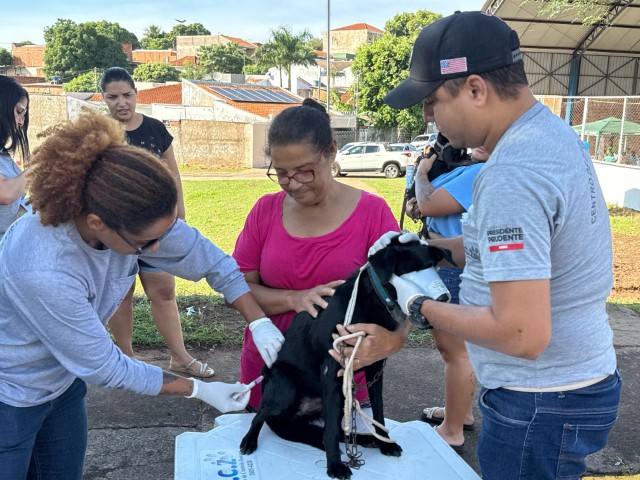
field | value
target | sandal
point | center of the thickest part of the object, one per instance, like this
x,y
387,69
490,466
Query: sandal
x,y
427,416
194,368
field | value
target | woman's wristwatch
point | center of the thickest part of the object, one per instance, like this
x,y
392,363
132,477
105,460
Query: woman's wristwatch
x,y
415,315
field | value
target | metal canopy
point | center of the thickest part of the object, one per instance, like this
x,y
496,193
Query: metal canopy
x,y
618,34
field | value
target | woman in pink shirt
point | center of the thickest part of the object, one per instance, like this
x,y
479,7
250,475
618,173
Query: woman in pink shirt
x,y
297,245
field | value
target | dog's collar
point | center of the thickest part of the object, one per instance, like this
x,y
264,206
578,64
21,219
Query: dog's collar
x,y
379,289
392,305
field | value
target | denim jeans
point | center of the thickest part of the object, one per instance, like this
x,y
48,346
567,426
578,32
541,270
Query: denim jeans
x,y
45,442
451,278
539,436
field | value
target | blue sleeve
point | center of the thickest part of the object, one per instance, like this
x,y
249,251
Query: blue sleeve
x,y
461,186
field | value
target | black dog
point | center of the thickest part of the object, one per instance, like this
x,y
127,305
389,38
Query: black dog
x,y
302,386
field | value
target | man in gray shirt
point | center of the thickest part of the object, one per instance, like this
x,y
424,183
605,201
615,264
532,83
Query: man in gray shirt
x,y
537,256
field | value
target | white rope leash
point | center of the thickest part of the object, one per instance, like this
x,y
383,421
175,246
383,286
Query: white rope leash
x,y
347,378
349,401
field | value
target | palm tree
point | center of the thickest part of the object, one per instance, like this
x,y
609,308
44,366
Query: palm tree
x,y
153,31
285,49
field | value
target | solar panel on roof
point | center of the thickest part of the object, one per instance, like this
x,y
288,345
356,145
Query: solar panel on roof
x,y
255,95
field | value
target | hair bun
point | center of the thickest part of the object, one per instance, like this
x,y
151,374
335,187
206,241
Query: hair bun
x,y
311,103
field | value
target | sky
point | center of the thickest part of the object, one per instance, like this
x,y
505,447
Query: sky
x,y
251,20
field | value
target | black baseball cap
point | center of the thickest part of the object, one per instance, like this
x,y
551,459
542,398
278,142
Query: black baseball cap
x,y
455,46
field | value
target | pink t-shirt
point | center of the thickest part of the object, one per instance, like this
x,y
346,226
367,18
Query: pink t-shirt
x,y
292,263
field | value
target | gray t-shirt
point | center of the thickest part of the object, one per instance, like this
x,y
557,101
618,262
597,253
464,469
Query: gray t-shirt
x,y
57,294
9,213
538,213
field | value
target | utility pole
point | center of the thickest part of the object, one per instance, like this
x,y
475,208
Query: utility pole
x,y
95,78
355,102
328,55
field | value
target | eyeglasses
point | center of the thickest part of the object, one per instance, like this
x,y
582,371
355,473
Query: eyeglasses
x,y
147,246
303,176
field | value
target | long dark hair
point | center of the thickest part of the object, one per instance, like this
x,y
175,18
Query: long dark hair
x,y
12,137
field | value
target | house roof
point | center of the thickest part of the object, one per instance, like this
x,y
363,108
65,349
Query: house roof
x,y
241,42
359,26
263,109
166,94
188,58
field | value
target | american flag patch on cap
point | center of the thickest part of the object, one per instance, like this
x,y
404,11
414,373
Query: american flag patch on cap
x,y
453,65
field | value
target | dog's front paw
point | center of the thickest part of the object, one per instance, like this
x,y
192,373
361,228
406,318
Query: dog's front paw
x,y
390,449
248,445
338,470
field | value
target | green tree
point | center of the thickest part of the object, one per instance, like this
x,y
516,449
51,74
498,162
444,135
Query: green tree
x,y
182,29
72,49
115,31
226,58
410,24
155,39
191,71
263,59
156,72
382,65
315,43
87,82
5,56
254,69
285,49
588,12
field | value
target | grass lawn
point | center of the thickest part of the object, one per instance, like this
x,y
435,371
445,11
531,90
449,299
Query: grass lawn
x,y
218,209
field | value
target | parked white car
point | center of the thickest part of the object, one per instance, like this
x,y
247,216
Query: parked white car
x,y
373,157
425,139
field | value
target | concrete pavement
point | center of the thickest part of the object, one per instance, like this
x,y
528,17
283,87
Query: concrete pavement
x,y
133,436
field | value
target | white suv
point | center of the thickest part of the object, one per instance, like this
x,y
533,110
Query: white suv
x,y
373,157
425,139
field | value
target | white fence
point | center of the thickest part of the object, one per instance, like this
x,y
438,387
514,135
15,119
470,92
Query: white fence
x,y
620,183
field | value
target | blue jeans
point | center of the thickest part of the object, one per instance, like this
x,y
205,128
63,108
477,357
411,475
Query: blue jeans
x,y
451,278
45,442
539,436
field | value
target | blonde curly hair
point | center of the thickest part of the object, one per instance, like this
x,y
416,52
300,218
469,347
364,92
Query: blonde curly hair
x,y
85,166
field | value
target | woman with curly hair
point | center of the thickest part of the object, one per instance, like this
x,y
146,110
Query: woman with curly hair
x,y
99,204
14,123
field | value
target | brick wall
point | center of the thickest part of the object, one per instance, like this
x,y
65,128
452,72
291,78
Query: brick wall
x,y
44,111
213,145
204,143
149,56
27,55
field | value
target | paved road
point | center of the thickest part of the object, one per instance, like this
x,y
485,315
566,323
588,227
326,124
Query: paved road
x,y
132,436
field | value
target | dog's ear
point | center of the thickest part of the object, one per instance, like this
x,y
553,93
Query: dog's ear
x,y
401,258
398,258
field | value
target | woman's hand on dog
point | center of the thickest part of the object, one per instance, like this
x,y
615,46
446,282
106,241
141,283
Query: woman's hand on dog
x,y
306,300
378,343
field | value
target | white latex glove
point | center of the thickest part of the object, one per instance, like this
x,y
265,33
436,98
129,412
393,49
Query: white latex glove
x,y
386,238
382,242
407,291
268,339
226,397
429,280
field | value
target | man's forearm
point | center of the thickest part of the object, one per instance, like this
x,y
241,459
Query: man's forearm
x,y
424,189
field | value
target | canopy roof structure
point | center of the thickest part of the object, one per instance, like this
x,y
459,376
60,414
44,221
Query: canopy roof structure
x,y
609,126
617,34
